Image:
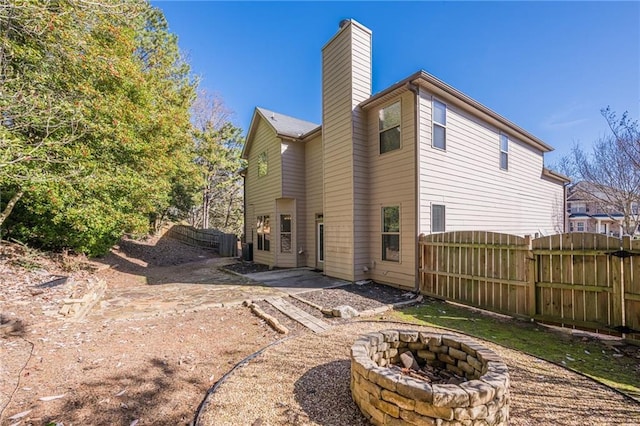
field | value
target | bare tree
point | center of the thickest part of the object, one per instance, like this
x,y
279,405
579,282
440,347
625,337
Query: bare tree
x,y
218,145
612,171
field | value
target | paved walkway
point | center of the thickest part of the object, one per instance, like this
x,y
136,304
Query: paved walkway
x,y
312,323
297,280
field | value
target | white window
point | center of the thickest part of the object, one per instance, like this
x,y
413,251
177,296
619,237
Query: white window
x,y
264,233
391,233
580,226
437,218
570,226
389,128
262,164
285,233
439,125
504,152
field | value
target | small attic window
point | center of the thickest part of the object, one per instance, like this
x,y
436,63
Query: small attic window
x,y
262,164
389,127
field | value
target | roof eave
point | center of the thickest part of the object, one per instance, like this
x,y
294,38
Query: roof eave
x,y
441,88
555,175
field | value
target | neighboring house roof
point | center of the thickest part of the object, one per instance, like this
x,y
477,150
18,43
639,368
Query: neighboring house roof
x,y
579,216
607,216
285,126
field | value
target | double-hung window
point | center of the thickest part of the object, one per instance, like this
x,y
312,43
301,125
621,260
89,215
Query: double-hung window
x,y
285,233
264,233
437,218
391,233
439,125
262,164
580,226
389,127
504,152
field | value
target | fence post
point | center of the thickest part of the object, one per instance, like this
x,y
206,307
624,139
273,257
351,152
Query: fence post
x,y
530,275
619,314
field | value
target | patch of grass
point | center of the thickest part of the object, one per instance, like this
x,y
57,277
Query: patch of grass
x,y
585,355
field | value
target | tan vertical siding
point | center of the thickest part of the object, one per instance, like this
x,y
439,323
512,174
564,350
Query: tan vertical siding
x,y
293,186
467,179
313,179
346,81
392,179
261,192
361,86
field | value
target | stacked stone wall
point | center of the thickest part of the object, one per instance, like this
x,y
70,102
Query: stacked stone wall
x,y
388,397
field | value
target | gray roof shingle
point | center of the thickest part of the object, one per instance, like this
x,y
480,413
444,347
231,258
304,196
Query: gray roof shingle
x,y
288,126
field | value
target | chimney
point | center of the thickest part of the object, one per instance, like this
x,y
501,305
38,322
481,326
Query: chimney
x,y
346,82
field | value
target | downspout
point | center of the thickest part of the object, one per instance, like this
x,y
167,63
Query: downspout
x,y
416,183
565,217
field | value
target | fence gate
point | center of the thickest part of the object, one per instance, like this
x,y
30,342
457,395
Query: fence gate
x,y
578,280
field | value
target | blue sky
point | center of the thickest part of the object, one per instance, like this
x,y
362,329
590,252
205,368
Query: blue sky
x,y
547,66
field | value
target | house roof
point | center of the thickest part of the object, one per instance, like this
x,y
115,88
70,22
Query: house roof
x,y
579,216
293,128
287,126
456,97
284,126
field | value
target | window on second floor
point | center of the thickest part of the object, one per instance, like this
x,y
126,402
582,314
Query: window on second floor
x,y
262,164
504,152
439,125
389,127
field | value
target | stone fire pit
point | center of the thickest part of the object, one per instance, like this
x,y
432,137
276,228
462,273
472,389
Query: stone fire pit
x,y
389,397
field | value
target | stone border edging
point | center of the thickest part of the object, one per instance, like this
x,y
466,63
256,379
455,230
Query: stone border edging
x,y
366,312
272,321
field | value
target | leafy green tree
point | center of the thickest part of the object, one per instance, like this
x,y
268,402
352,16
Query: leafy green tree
x,y
96,138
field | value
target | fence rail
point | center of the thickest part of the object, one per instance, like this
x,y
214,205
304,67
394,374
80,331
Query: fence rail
x,y
585,280
223,244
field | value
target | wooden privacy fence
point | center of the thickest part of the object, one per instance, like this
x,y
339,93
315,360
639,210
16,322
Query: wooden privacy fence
x,y
223,244
580,279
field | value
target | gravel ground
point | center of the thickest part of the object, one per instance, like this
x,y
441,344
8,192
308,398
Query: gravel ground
x,y
305,381
359,297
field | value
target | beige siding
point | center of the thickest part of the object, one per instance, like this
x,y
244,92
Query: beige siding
x,y
392,183
467,179
293,186
346,81
313,179
261,192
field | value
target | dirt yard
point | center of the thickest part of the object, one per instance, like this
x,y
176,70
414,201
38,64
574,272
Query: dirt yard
x,y
121,364
151,327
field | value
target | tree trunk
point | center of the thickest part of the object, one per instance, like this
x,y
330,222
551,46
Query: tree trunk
x,y
226,219
205,207
9,208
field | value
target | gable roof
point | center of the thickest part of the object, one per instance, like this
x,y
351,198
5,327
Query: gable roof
x,y
284,126
453,95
